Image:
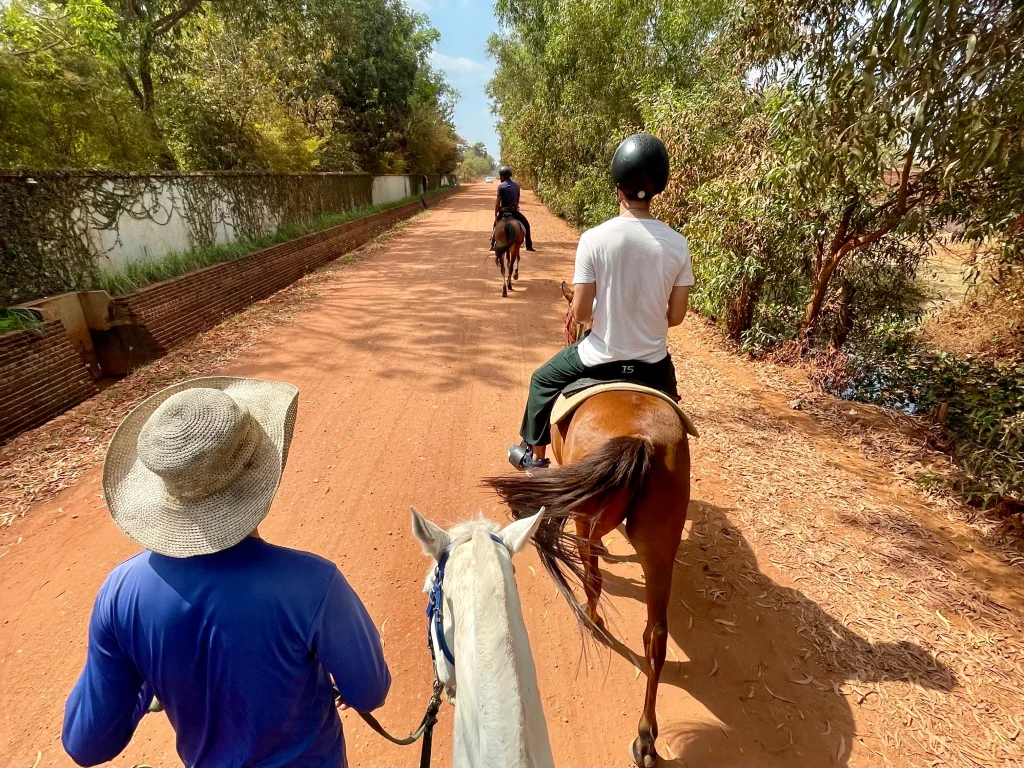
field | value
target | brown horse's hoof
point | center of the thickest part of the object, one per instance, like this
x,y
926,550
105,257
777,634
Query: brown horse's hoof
x,y
642,760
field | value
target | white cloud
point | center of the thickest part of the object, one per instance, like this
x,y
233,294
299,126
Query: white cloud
x,y
459,67
423,6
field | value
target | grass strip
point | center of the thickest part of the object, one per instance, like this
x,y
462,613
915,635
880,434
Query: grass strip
x,y
18,320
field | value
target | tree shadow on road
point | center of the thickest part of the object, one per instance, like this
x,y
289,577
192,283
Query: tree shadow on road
x,y
772,676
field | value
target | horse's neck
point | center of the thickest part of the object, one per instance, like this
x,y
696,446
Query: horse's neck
x,y
499,719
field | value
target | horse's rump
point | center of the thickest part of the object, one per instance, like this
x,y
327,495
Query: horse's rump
x,y
506,232
621,465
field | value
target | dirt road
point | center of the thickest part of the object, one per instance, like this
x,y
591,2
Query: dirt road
x,y
823,614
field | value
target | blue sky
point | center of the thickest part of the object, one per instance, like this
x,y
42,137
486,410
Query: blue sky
x,y
465,26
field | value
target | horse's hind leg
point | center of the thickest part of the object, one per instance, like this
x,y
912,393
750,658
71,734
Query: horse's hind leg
x,y
592,530
508,275
593,579
515,274
656,545
501,266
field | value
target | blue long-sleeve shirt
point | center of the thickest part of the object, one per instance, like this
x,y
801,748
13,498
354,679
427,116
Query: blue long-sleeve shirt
x,y
239,646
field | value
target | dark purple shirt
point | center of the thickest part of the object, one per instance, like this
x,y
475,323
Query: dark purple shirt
x,y
508,191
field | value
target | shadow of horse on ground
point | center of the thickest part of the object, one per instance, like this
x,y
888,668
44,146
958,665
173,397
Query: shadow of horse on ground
x,y
769,676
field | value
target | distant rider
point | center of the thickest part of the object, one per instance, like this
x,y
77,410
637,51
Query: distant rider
x,y
507,201
633,278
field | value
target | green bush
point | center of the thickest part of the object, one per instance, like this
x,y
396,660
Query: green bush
x,y
983,399
18,320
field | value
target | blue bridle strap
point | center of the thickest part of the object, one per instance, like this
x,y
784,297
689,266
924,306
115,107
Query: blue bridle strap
x,y
435,607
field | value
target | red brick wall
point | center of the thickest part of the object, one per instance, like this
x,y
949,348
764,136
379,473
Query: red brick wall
x,y
41,376
172,311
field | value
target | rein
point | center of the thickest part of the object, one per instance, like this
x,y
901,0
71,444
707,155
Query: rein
x,y
435,621
573,331
426,729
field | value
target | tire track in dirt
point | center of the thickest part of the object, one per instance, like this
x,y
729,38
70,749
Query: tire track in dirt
x,y
412,373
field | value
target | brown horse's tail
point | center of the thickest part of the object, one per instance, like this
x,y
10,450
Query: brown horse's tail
x,y
510,239
620,464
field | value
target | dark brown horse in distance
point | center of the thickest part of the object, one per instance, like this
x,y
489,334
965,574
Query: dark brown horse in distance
x,y
509,236
623,457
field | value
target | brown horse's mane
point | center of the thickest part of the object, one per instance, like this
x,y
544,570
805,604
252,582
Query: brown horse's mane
x,y
620,463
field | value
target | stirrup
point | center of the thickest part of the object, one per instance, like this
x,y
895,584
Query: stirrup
x,y
521,457
517,454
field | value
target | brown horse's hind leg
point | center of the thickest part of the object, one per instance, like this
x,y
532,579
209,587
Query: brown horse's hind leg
x,y
656,546
593,529
508,275
499,259
592,572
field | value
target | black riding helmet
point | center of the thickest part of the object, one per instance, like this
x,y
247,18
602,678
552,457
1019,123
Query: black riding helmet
x,y
640,166
504,172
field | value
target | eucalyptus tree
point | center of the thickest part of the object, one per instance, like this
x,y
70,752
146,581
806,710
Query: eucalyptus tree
x,y
901,116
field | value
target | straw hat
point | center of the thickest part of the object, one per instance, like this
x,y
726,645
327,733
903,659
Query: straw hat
x,y
194,468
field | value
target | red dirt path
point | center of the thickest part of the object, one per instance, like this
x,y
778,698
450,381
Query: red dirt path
x,y
412,372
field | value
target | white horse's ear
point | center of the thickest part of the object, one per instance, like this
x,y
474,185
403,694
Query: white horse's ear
x,y
516,535
433,539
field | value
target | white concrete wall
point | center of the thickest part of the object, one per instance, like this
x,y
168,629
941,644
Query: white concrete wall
x,y
155,226
387,189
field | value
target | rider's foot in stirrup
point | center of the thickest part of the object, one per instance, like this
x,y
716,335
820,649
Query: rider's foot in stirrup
x,y
521,456
530,464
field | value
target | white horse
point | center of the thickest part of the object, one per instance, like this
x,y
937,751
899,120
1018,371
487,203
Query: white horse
x,y
499,719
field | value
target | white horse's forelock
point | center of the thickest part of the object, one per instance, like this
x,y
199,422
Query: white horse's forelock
x,y
499,718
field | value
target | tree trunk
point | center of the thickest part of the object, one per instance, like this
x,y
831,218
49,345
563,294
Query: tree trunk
x,y
845,316
165,159
812,312
739,316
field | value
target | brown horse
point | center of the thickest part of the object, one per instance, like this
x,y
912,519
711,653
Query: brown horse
x,y
509,236
624,457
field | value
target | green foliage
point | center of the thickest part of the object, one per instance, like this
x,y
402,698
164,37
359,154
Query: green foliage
x,y
474,162
63,106
898,117
984,398
140,273
817,150
232,85
572,80
224,107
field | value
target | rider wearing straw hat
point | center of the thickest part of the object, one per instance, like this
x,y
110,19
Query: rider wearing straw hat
x,y
237,638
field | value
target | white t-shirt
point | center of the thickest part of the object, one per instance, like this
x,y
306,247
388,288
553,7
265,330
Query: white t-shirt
x,y
635,263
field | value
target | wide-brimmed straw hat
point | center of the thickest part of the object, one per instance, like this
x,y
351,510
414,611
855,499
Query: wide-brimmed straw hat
x,y
194,468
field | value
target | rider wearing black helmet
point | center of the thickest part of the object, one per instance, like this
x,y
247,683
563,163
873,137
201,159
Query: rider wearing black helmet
x,y
508,202
633,277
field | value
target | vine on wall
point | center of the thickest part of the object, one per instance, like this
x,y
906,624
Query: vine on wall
x,y
52,224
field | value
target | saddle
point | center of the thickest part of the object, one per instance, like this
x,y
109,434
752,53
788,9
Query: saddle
x,y
577,393
507,213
